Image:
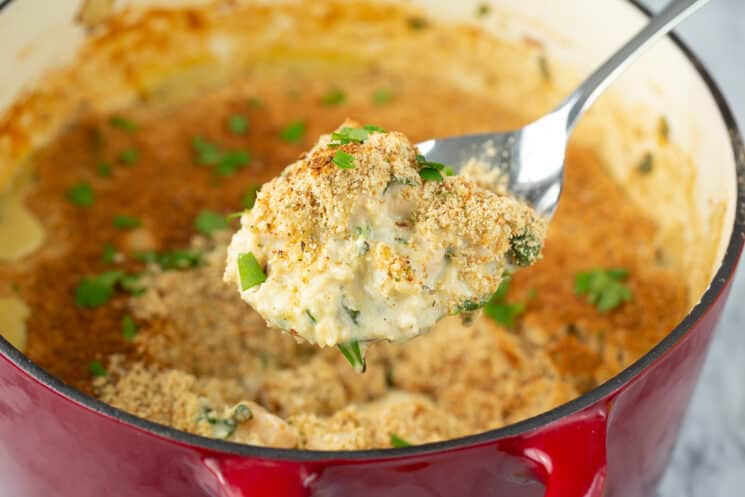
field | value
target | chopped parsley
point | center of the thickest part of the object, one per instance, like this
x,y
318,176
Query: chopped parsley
x,y
343,160
109,253
293,132
130,283
646,165
382,96
104,169
353,314
123,222
129,327
334,97
97,369
399,442
501,311
207,222
208,154
232,161
176,259
468,306
237,124
249,198
95,291
129,156
81,195
348,135
483,10
250,272
430,174
374,129
604,288
123,124
310,316
524,249
353,354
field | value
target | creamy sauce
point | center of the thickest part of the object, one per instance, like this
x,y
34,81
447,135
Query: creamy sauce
x,y
13,315
21,233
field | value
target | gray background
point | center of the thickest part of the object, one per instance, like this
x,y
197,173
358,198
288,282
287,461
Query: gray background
x,y
709,460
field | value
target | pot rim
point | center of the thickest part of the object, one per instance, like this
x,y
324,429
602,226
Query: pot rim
x,y
721,279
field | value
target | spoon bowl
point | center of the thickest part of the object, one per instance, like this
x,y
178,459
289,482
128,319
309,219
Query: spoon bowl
x,y
532,158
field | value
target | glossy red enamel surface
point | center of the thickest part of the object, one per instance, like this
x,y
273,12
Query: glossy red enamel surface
x,y
51,445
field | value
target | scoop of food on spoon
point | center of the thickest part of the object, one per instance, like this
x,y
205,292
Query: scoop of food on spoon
x,y
368,237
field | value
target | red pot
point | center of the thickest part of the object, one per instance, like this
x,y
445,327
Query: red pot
x,y
615,440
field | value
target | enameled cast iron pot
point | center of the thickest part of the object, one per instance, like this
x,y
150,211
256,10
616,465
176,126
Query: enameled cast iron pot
x,y
615,440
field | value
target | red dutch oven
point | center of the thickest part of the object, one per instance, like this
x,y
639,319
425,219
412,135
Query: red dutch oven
x,y
615,440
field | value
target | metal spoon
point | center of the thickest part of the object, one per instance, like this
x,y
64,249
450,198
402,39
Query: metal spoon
x,y
533,156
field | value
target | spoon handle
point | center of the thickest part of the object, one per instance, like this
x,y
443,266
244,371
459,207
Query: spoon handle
x,y
661,24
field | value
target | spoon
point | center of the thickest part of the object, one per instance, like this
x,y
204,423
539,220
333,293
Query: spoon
x,y
533,157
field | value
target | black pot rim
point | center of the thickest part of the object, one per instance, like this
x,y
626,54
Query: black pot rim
x,y
721,279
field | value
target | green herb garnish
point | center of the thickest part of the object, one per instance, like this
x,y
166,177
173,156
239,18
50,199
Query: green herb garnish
x,y
177,259
604,288
237,124
353,354
104,169
371,128
123,222
397,181
130,283
207,222
382,96
123,124
249,271
334,97
208,154
524,249
353,314
293,132
646,165
95,291
468,306
343,160
231,161
97,369
129,328
348,135
483,10
310,316
501,311
109,253
399,442
249,198
129,156
81,195
430,174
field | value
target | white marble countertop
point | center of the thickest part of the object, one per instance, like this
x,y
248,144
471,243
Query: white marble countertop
x,y
709,460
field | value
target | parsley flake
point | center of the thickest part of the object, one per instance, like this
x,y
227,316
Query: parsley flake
x,y
81,195
293,132
237,124
95,291
333,98
250,272
501,311
604,288
207,222
343,160
129,328
97,369
129,156
123,124
399,442
353,354
104,169
249,198
123,222
109,253
430,174
382,96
